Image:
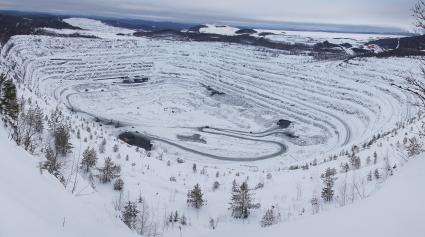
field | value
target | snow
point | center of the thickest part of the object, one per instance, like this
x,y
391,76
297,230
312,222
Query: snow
x,y
334,105
395,210
218,29
94,25
326,101
35,204
90,27
312,37
300,37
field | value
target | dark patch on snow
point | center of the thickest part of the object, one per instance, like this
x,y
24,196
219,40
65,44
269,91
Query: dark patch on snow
x,y
266,33
246,31
135,80
213,91
12,24
136,139
283,123
197,28
192,138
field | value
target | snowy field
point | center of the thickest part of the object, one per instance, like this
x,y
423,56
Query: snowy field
x,y
299,37
232,96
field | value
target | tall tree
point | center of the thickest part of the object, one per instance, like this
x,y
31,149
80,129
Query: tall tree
x,y
109,171
8,101
242,201
89,159
195,197
62,137
129,214
328,180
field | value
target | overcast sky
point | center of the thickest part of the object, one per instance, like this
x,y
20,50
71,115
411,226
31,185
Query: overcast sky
x,y
396,13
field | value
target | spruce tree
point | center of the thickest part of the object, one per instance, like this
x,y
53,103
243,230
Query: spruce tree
x,y
52,164
195,197
129,214
241,201
119,184
89,159
61,137
8,101
102,146
109,171
328,181
270,217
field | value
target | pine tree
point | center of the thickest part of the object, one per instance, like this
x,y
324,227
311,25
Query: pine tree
x,y
216,185
176,217
28,127
129,214
61,138
328,181
52,164
369,176
377,174
89,159
242,201
55,120
119,184
414,147
109,171
8,101
375,158
115,148
195,197
183,220
355,162
102,146
270,217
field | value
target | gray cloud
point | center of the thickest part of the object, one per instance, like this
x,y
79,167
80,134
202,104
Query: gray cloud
x,y
378,12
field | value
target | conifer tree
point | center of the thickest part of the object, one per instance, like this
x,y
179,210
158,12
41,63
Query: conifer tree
x,y
109,171
270,217
8,101
242,201
328,181
195,197
62,137
129,214
89,159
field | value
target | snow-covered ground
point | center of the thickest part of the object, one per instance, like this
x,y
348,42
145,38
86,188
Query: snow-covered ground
x,y
333,105
35,204
395,210
301,37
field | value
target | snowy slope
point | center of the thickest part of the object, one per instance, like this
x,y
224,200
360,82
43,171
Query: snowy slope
x,y
34,204
395,210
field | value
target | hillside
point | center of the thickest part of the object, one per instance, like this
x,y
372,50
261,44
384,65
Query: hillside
x,y
393,211
35,204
